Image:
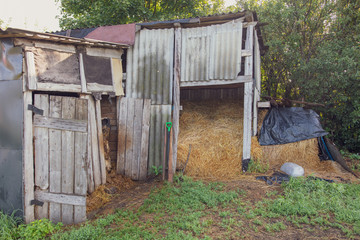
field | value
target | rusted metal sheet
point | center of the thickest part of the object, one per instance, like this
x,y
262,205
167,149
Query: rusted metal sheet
x,y
11,130
211,53
150,66
124,34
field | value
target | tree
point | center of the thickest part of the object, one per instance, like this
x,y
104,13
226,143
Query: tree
x,y
89,13
314,55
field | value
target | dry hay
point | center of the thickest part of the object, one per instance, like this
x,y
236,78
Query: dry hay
x,y
214,129
104,193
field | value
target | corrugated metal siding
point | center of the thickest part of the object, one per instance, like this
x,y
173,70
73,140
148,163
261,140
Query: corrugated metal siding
x,y
150,66
150,75
160,114
211,53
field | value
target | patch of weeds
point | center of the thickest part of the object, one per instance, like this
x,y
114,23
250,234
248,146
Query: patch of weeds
x,y
257,166
257,222
38,229
275,227
224,214
8,226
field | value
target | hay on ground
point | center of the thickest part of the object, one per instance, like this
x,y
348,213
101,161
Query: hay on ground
x,y
215,131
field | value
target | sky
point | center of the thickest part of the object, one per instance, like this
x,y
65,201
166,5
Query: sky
x,y
36,15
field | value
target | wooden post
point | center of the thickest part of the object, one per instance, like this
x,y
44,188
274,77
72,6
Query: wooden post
x,y
31,72
170,172
257,86
176,97
82,74
100,141
248,97
28,160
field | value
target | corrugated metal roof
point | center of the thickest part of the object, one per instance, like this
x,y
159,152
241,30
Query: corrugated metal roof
x,y
20,33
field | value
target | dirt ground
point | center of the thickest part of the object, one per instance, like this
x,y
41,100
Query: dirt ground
x,y
131,195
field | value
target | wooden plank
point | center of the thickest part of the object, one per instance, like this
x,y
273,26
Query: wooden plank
x,y
31,72
171,162
248,96
55,159
246,53
89,159
96,87
239,79
82,74
257,87
80,187
129,136
28,160
176,98
121,149
94,142
57,47
135,163
58,87
100,142
264,104
61,198
145,139
117,73
41,141
67,157
104,52
60,124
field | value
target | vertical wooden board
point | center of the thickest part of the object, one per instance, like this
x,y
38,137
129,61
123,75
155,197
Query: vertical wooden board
x,y
82,73
129,137
117,72
31,72
94,142
176,100
28,160
152,138
121,151
55,159
257,87
159,136
41,137
80,161
89,160
67,157
138,112
100,142
145,140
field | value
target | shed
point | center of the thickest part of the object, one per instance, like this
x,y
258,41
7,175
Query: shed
x,y
51,142
191,59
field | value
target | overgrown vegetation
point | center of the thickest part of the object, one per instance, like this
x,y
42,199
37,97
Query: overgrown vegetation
x,y
195,210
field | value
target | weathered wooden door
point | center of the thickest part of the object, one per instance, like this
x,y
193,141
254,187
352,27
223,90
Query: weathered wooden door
x,y
133,137
60,149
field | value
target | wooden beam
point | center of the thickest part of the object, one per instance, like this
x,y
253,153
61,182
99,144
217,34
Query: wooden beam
x,y
28,160
248,97
104,52
82,74
60,198
31,72
61,124
257,86
145,139
239,79
96,87
100,141
57,47
176,98
263,104
58,87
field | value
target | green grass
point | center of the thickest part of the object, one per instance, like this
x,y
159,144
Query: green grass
x,y
191,209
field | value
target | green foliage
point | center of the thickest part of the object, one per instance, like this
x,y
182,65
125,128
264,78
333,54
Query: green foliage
x,y
38,229
84,13
156,170
8,226
257,167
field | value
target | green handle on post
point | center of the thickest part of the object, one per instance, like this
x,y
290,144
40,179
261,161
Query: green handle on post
x,y
169,125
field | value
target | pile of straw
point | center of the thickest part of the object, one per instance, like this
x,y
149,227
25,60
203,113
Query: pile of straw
x,y
214,129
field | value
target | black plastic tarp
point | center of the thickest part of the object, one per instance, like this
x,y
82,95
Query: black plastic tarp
x,y
287,125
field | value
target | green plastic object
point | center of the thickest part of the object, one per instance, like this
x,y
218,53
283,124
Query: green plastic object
x,y
169,125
